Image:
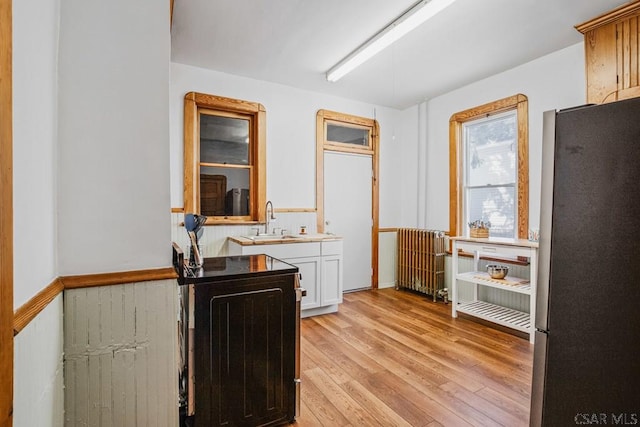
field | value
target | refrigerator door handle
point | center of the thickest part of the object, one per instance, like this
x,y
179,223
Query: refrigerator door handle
x,y
538,380
546,206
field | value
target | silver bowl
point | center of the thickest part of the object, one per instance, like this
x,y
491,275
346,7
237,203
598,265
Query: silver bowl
x,y
497,271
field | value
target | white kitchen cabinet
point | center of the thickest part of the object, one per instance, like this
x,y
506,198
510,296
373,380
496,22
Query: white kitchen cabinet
x,y
331,279
501,249
310,280
320,264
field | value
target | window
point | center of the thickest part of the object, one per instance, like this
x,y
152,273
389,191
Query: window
x,y
342,133
225,144
489,168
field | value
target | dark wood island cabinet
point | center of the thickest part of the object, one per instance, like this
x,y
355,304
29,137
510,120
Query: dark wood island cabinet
x,y
239,341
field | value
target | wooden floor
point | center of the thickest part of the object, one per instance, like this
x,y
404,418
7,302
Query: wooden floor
x,y
395,358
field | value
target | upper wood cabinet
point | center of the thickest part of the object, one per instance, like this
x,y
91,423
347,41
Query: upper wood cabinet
x,y
612,54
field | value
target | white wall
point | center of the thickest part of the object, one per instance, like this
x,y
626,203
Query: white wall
x,y
38,398
291,133
35,114
114,202
406,169
554,81
38,384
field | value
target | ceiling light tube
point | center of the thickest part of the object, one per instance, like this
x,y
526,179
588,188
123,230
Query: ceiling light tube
x,y
408,21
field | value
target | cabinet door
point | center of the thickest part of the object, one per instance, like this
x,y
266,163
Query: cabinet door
x,y
611,53
245,352
628,60
601,64
331,280
309,269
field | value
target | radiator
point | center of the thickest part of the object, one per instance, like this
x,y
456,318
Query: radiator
x,y
420,261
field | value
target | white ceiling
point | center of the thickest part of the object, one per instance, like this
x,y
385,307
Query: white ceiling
x,y
294,42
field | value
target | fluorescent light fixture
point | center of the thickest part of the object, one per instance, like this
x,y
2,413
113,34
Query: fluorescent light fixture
x,y
408,21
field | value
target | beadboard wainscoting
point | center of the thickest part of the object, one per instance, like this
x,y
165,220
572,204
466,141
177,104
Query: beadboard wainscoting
x,y
120,364
214,238
512,300
38,369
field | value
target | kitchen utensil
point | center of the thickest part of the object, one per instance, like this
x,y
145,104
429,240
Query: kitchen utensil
x,y
195,258
193,224
190,222
497,271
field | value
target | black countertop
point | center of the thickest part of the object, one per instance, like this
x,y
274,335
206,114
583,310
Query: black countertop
x,y
219,269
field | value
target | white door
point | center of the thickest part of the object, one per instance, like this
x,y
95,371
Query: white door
x,y
347,213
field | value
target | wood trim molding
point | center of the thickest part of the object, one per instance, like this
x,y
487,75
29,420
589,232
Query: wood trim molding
x,y
375,201
171,14
523,169
6,216
29,310
320,171
295,210
117,278
388,230
177,210
518,102
196,103
616,14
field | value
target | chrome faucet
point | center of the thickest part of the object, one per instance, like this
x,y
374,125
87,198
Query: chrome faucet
x,y
272,216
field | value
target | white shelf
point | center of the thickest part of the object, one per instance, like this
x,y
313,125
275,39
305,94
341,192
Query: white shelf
x,y
505,249
513,284
497,314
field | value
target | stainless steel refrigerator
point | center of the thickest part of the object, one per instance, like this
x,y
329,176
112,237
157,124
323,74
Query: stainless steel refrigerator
x,y
586,366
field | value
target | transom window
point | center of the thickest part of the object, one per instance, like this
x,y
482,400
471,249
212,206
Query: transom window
x,y
489,168
352,134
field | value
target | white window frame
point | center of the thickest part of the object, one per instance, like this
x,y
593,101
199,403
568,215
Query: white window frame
x,y
466,188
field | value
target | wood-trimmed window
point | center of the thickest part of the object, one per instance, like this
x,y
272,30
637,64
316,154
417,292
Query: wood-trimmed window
x,y
464,155
224,158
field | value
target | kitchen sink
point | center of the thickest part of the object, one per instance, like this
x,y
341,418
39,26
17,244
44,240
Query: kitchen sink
x,y
275,237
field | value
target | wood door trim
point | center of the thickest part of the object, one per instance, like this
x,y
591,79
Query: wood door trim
x,y
6,216
321,146
29,310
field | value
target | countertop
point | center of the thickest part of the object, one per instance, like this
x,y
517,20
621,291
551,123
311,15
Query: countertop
x,y
497,241
286,239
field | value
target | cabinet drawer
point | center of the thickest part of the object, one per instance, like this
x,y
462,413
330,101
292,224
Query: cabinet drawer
x,y
493,249
332,247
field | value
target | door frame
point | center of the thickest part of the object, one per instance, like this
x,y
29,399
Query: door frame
x,y
322,145
6,216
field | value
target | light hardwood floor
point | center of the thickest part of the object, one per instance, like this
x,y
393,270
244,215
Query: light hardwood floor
x,y
395,358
